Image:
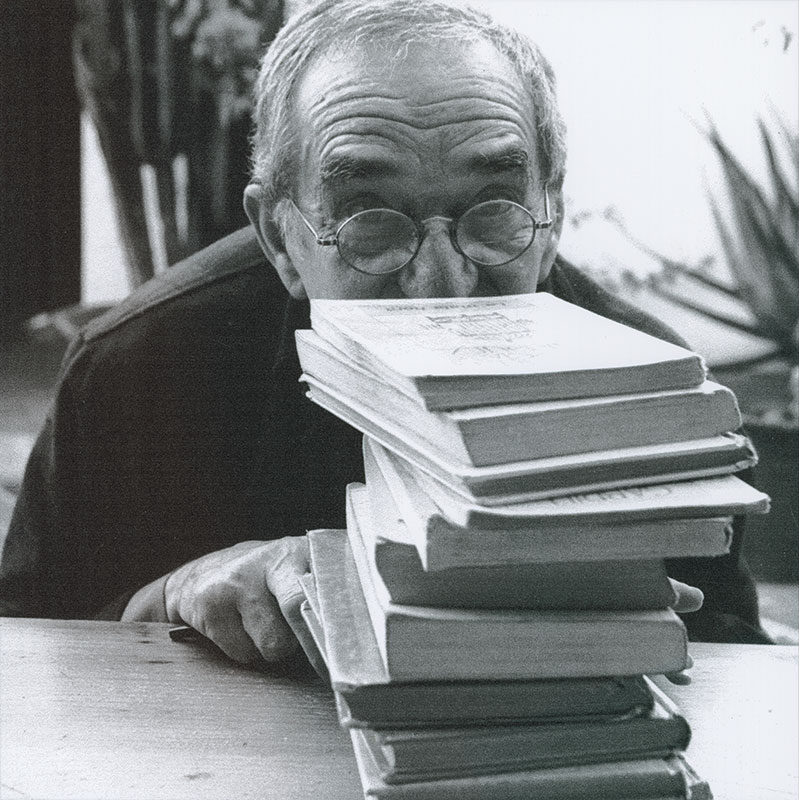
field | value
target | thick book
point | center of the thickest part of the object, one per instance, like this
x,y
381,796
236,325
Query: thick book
x,y
378,536
690,518
499,434
423,754
670,778
420,643
344,635
463,352
561,475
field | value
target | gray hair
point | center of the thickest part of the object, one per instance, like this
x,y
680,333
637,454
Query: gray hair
x,y
344,24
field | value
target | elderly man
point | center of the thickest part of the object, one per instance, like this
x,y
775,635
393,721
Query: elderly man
x,y
181,463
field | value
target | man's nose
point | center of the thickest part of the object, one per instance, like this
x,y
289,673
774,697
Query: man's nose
x,y
438,270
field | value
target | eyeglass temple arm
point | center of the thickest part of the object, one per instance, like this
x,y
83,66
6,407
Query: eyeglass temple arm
x,y
547,223
325,241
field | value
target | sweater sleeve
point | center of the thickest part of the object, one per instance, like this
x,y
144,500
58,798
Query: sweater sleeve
x,y
28,584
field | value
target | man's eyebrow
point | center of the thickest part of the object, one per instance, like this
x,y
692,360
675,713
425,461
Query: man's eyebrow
x,y
344,167
507,160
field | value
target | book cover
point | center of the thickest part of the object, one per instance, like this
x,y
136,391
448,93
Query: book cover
x,y
462,352
358,673
419,643
721,496
409,755
551,477
669,778
379,536
500,434
404,504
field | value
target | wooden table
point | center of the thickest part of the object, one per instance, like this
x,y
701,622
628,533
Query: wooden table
x,y
118,710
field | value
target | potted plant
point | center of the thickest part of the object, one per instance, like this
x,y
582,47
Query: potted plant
x,y
759,237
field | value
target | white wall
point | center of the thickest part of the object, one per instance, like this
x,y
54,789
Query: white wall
x,y
635,78
104,278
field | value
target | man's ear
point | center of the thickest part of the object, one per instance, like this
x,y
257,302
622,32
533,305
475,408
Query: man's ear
x,y
271,239
557,210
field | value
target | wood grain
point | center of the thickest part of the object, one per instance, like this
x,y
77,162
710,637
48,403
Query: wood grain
x,y
117,711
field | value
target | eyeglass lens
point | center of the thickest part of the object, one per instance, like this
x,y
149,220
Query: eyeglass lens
x,y
379,241
495,232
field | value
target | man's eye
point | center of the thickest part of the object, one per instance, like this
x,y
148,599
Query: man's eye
x,y
360,203
514,194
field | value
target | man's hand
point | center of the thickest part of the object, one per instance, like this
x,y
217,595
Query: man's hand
x,y
689,598
241,597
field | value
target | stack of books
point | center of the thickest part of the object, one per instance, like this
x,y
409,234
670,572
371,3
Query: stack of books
x,y
490,614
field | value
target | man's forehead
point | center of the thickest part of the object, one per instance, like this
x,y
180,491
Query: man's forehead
x,y
433,65
469,96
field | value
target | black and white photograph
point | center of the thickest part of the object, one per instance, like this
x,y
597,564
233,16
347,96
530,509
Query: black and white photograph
x,y
399,399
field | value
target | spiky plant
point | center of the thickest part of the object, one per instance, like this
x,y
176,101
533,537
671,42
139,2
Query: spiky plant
x,y
760,242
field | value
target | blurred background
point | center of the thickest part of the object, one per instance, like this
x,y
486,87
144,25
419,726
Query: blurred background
x,y
124,148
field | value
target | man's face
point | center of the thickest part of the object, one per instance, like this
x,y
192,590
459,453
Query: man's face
x,y
429,135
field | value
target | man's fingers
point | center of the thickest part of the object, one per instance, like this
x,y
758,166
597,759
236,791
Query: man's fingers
x,y
263,621
689,598
292,611
226,630
283,570
681,678
242,597
285,566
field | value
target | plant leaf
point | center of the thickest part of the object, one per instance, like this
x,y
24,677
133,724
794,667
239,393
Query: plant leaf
x,y
789,205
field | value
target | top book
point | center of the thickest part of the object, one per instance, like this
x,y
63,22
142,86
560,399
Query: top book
x,y
464,352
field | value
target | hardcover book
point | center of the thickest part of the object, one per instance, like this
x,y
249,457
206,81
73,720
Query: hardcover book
x,y
346,640
424,754
550,477
425,643
380,538
498,434
463,352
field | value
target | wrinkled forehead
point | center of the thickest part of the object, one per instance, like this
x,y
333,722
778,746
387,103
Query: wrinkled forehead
x,y
450,90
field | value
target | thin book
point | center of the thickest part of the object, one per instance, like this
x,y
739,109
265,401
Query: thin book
x,y
501,433
463,352
394,563
689,518
541,478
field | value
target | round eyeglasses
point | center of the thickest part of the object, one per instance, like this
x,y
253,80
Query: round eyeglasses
x,y
380,241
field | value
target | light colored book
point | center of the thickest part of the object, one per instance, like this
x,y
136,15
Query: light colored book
x,y
420,643
725,495
560,475
690,518
463,352
498,434
400,577
669,778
